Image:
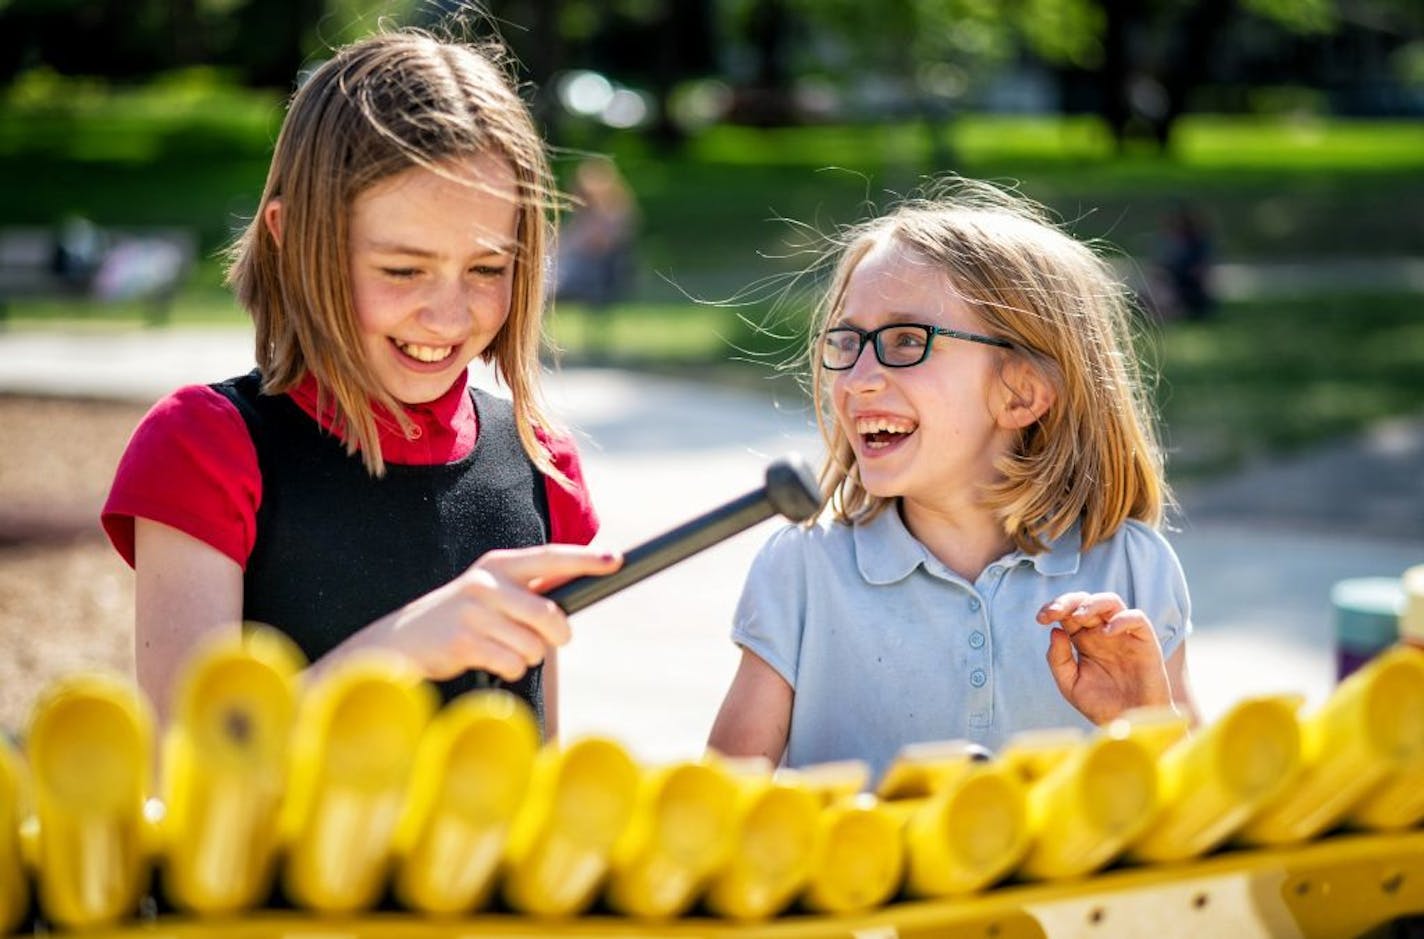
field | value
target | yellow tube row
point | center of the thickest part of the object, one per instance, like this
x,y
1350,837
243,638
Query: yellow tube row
x,y
338,794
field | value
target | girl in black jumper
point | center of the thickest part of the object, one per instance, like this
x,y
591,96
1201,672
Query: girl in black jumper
x,y
352,491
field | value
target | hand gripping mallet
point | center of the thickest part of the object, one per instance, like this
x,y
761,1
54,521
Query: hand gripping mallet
x,y
790,490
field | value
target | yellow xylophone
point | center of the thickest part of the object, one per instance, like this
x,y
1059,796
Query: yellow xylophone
x,y
352,807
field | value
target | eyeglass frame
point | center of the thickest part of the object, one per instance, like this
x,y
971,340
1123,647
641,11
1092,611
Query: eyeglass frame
x,y
871,337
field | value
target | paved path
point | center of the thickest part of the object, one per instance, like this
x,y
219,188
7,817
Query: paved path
x,y
1261,549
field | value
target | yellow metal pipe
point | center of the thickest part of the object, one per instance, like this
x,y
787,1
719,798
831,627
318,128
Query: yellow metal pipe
x,y
14,879
358,728
579,802
680,832
1087,803
225,760
964,818
90,747
774,830
857,859
471,775
1397,804
1214,782
1370,727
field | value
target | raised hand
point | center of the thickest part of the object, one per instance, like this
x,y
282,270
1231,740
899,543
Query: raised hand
x,y
1104,657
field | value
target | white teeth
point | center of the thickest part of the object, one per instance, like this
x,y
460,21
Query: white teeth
x,y
425,353
879,425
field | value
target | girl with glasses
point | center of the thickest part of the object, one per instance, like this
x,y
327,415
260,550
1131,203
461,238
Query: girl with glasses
x,y
352,491
990,559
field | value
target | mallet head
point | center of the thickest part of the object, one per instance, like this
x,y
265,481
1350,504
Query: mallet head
x,y
791,488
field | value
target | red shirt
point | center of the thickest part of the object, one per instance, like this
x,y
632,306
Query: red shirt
x,y
191,465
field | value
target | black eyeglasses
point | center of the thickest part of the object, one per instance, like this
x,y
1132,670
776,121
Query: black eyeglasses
x,y
898,345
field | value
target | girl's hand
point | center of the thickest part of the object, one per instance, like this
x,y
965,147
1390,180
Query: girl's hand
x,y
1105,658
492,616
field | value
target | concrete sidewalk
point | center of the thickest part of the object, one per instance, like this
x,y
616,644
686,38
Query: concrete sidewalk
x,y
1261,549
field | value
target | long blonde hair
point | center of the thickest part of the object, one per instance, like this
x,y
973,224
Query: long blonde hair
x,y
1094,456
376,108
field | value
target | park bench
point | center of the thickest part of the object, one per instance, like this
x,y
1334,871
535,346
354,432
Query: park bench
x,y
82,261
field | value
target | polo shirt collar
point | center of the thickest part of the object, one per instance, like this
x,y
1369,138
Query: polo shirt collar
x,y
886,552
445,428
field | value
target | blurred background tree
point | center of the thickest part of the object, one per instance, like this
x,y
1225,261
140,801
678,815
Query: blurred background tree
x,y
1291,131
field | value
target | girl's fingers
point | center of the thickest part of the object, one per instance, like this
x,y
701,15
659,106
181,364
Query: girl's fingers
x,y
549,564
1129,623
497,659
1061,662
1055,610
486,589
518,638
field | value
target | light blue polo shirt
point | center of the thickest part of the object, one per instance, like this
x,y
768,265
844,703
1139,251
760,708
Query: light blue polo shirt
x,y
886,646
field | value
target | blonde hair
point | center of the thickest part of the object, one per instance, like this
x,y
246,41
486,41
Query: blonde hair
x,y
378,107
1094,456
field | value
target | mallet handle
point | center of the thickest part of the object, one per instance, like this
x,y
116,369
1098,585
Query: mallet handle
x,y
666,549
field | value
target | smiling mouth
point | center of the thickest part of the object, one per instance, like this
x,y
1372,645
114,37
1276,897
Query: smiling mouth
x,y
880,432
427,354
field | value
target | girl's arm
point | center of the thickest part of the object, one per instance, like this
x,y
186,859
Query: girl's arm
x,y
755,718
491,617
184,589
1182,695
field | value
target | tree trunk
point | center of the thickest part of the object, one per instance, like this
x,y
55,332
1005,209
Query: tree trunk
x,y
1204,24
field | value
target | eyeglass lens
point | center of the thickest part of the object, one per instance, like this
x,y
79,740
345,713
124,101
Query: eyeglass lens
x,y
895,346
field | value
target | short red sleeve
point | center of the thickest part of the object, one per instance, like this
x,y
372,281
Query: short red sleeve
x,y
572,519
191,465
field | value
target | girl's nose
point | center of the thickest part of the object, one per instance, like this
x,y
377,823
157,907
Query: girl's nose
x,y
449,311
866,373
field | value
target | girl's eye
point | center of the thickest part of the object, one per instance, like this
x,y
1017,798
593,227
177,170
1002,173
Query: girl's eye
x,y
488,270
399,273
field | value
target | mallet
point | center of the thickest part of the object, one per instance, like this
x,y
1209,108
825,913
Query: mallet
x,y
790,490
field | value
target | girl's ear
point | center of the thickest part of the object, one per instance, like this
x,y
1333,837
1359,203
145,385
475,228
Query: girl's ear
x,y
272,218
1027,394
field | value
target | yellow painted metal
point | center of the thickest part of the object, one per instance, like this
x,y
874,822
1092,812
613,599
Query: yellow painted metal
x,y
579,802
1212,783
471,775
1156,728
922,769
966,834
857,859
1086,805
449,810
1397,803
1339,887
774,829
14,895
355,741
225,760
90,745
1370,727
680,833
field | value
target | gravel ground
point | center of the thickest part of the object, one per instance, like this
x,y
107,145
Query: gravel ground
x,y
66,598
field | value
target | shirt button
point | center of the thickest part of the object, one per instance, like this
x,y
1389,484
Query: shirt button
x,y
977,678
974,604
976,640
416,433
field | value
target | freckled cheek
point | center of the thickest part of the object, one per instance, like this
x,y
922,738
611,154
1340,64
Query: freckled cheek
x,y
378,304
493,306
